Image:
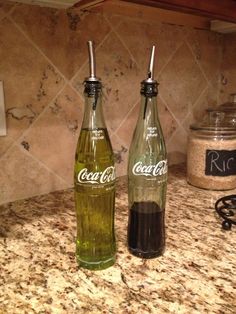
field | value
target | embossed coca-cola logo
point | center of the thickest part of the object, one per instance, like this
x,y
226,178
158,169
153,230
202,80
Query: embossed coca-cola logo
x,y
106,176
139,169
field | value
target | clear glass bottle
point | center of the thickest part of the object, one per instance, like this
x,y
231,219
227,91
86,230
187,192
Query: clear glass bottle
x,y
94,181
147,176
211,153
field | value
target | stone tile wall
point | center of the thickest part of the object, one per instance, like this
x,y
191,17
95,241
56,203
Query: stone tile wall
x,y
228,68
44,60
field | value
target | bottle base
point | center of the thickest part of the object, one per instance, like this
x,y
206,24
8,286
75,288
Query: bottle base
x,y
147,255
99,265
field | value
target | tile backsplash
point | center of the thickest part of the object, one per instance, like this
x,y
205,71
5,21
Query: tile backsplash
x,y
44,60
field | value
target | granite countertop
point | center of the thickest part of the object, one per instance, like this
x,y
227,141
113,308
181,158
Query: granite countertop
x,y
39,274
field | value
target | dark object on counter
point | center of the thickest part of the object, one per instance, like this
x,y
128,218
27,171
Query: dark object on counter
x,y
146,230
226,208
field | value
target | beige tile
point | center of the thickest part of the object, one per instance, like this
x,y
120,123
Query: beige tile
x,y
5,7
228,85
29,81
126,130
140,37
113,19
62,35
181,82
207,47
121,155
21,176
208,99
228,68
229,49
5,143
168,123
52,139
176,147
120,77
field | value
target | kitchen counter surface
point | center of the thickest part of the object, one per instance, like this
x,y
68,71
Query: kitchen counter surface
x,y
39,274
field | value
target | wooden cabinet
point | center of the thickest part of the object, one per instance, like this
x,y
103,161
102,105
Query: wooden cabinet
x,y
214,9
223,10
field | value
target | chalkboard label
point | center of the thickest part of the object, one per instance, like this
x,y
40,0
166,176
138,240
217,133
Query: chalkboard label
x,y
220,163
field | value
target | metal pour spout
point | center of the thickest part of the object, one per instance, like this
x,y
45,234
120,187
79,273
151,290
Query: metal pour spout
x,y
151,64
150,78
92,65
149,86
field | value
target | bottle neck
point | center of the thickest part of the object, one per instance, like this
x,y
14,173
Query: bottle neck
x,y
93,113
148,112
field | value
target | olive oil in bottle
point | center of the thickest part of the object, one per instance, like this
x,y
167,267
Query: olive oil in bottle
x,y
94,181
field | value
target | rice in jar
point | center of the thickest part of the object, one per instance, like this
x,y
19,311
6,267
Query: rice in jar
x,y
211,153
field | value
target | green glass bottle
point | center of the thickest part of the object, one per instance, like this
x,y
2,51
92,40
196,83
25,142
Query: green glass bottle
x,y
94,181
147,176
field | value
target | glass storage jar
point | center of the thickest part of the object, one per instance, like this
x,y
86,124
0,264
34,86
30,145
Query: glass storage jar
x,y
211,153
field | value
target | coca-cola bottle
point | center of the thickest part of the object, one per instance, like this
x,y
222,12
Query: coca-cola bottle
x,y
147,176
94,181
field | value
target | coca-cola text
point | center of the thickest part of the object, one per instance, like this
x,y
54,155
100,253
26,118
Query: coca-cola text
x,y
150,170
100,177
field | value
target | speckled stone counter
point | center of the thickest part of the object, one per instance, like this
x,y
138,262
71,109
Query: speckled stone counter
x,y
39,273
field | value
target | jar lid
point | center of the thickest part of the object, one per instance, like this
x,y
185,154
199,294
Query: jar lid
x,y
230,105
216,122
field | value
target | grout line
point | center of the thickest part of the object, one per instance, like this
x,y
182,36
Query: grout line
x,y
41,163
200,95
13,8
222,45
122,141
67,81
7,14
76,91
125,46
41,114
125,117
35,159
110,24
180,127
173,115
37,48
171,57
188,114
123,42
25,132
196,61
87,60
170,110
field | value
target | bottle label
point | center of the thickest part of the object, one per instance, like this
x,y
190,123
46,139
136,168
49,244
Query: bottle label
x,y
140,169
151,132
100,177
97,135
220,163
